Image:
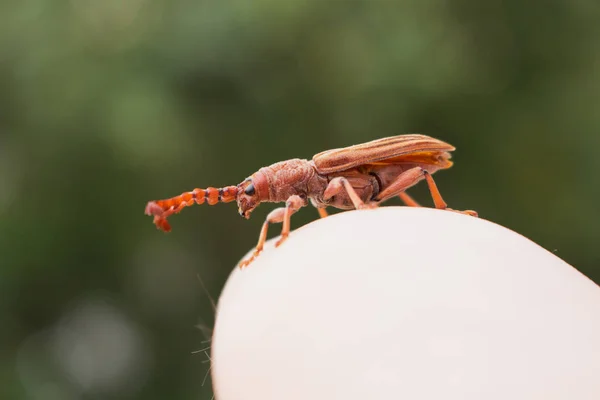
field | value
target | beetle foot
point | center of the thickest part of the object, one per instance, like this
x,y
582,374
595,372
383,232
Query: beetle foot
x,y
367,206
281,240
244,263
466,212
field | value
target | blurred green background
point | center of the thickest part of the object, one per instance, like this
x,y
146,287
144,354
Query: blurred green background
x,y
105,105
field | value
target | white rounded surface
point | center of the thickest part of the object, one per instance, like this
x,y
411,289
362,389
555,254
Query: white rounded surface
x,y
407,303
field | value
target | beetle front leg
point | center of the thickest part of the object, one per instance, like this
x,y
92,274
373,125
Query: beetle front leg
x,y
281,214
293,204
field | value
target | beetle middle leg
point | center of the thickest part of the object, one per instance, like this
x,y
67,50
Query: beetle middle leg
x,y
342,185
281,214
322,212
320,209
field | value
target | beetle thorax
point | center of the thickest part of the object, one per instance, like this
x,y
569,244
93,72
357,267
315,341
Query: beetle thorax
x,y
287,178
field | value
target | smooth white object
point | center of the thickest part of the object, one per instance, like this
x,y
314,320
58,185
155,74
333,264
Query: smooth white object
x,y
407,303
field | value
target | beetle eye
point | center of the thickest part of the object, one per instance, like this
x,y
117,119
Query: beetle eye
x,y
250,190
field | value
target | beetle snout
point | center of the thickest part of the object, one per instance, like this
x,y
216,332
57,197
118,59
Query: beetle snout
x,y
244,213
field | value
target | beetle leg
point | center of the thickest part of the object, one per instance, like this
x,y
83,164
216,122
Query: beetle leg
x,y
292,205
409,178
281,214
322,212
403,181
435,193
336,185
408,200
439,201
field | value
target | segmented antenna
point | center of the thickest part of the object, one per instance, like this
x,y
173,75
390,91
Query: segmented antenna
x,y
162,209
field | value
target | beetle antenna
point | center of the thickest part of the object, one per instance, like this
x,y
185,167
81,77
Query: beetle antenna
x,y
162,209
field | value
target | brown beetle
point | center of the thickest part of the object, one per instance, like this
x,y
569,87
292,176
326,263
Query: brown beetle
x,y
355,177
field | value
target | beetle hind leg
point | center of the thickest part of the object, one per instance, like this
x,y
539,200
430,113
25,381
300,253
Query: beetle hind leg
x,y
439,201
408,200
402,182
410,178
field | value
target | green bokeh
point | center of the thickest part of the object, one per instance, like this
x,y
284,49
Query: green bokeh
x,y
106,105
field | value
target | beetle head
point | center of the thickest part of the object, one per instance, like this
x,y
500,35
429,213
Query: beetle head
x,y
252,192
